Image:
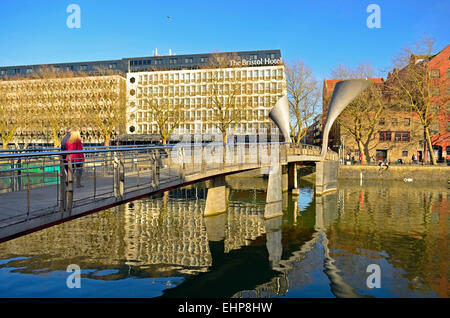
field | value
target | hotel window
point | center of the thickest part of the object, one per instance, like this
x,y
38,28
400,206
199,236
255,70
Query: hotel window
x,y
435,91
202,59
158,62
253,56
188,60
435,109
173,61
385,135
402,136
271,55
407,121
435,73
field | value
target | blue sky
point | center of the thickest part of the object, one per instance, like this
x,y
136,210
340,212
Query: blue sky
x,y
322,33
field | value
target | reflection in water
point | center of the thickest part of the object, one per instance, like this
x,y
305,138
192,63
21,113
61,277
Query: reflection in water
x,y
321,247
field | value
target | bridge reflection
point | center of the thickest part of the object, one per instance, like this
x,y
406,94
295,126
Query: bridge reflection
x,y
241,254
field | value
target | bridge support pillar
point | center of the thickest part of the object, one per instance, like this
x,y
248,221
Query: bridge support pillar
x,y
216,199
326,176
273,241
285,178
215,227
274,199
292,176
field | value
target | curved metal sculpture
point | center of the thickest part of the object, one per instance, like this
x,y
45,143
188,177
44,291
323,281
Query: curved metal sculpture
x,y
344,92
280,116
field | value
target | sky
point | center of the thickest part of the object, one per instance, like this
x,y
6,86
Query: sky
x,y
321,33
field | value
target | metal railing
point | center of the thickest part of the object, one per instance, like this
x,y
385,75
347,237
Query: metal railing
x,y
36,183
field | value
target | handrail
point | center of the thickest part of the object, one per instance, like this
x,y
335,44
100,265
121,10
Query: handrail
x,y
87,151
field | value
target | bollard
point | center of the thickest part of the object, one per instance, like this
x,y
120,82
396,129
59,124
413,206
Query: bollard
x,y
116,175
28,195
69,184
62,186
121,175
95,180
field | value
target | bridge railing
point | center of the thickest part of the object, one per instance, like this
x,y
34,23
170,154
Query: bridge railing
x,y
36,183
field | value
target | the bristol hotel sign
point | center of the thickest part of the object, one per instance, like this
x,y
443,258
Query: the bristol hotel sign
x,y
256,62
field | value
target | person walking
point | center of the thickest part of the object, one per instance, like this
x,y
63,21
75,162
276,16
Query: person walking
x,y
74,143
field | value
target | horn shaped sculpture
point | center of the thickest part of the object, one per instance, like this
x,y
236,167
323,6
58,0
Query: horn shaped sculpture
x,y
280,116
344,92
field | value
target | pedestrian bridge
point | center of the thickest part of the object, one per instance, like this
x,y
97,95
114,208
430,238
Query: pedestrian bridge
x,y
36,192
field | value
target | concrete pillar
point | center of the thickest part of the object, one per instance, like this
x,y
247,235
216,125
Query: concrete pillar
x,y
292,176
215,227
285,178
326,176
274,198
273,241
216,199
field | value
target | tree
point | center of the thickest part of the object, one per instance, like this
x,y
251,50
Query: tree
x,y
226,106
424,46
167,117
106,106
359,119
12,115
413,88
303,95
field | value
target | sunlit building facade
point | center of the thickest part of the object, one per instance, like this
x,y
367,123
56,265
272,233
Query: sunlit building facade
x,y
186,87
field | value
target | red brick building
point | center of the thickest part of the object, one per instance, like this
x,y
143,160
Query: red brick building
x,y
439,68
399,133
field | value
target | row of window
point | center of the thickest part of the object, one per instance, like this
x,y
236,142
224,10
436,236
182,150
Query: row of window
x,y
436,73
187,60
263,74
249,115
244,89
204,128
255,101
406,121
398,135
59,68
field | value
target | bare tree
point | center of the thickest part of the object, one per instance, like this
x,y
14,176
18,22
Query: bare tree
x,y
226,106
12,115
359,119
424,46
413,88
303,95
106,108
167,117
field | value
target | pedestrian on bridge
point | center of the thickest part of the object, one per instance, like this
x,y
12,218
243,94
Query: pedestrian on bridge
x,y
63,147
74,143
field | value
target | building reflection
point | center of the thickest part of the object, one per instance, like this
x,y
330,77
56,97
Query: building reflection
x,y
402,227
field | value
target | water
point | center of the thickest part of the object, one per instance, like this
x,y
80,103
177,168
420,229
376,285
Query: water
x,y
321,247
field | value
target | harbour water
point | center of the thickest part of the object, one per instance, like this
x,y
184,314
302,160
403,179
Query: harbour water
x,y
162,246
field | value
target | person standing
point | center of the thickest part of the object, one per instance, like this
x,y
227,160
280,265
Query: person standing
x,y
63,147
74,143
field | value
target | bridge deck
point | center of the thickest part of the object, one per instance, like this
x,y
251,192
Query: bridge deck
x,y
22,211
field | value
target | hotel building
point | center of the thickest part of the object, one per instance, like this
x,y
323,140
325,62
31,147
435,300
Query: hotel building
x,y
182,85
